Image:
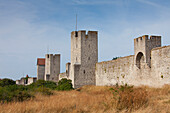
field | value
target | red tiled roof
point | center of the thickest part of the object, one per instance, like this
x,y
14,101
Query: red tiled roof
x,y
41,61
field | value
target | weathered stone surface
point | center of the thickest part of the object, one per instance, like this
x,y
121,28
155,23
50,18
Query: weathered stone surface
x,y
149,66
52,67
40,72
84,56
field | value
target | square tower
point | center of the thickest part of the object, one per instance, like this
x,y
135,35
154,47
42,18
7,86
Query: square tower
x,y
40,68
142,48
84,56
52,67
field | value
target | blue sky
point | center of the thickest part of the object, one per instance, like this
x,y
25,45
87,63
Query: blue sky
x,y
28,27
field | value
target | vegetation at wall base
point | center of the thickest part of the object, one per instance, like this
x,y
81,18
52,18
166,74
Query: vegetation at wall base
x,y
64,85
97,99
42,83
14,93
118,98
129,98
6,81
9,91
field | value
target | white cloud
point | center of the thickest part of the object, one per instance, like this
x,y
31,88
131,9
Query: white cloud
x,y
149,3
96,2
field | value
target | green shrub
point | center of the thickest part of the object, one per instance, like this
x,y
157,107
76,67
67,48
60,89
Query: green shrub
x,y
41,83
114,58
14,93
21,95
44,91
64,84
6,82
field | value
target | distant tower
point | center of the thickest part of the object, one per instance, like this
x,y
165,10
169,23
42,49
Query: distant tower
x,y
40,68
52,67
84,56
142,49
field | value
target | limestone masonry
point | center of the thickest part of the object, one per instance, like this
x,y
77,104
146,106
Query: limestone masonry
x,y
48,68
150,64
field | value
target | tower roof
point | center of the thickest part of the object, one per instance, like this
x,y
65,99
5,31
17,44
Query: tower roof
x,y
41,61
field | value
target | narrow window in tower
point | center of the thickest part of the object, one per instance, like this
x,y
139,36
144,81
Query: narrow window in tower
x,y
76,59
89,58
89,45
84,71
76,34
47,56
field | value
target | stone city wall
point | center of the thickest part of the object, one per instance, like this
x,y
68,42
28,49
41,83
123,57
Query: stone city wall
x,y
124,70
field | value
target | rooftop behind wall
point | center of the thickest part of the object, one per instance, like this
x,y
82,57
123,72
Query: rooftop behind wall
x,y
41,61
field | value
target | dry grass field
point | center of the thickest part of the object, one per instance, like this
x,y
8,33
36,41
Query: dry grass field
x,y
96,99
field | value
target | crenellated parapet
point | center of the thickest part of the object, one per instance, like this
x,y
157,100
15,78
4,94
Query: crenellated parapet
x,y
155,40
83,33
141,39
142,48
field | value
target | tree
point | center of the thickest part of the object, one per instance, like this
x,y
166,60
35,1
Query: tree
x,y
6,82
114,58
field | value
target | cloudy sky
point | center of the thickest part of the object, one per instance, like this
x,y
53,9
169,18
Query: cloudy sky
x,y
28,27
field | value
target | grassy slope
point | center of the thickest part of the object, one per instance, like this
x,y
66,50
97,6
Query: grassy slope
x,y
94,99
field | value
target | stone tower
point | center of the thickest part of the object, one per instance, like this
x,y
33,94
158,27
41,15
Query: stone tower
x,y
52,67
40,68
142,48
84,56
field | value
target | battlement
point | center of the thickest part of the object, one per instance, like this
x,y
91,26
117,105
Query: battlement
x,y
56,55
146,38
83,32
155,37
51,55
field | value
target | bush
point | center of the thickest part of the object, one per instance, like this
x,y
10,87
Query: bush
x,y
64,84
44,91
6,82
114,58
42,83
129,98
14,93
9,91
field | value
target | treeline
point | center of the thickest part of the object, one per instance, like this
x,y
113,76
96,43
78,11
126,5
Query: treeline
x,y
9,91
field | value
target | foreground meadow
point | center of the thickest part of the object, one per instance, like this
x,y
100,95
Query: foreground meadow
x,y
96,99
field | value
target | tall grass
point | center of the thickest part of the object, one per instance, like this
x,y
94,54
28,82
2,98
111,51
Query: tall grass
x,y
96,99
129,98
